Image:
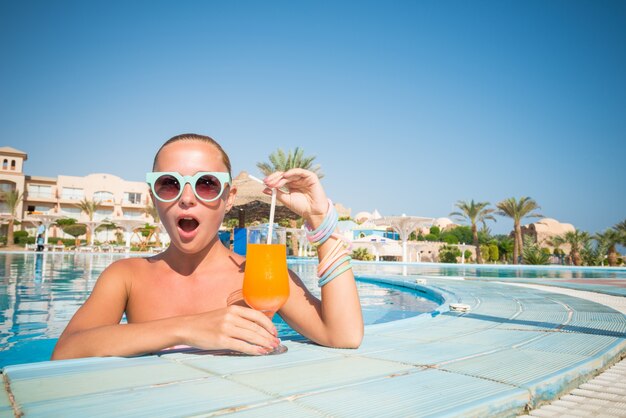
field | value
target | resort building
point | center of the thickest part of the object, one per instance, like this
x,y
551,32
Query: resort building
x,y
544,230
118,199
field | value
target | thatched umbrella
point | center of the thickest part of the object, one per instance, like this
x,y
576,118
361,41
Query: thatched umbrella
x,y
253,204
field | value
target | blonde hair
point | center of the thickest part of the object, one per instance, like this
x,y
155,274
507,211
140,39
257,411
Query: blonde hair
x,y
196,137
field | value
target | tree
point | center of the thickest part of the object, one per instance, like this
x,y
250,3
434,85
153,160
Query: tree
x,y
621,228
533,254
593,255
75,230
505,246
494,254
462,232
151,210
577,240
475,212
12,199
279,161
518,210
609,240
449,254
89,207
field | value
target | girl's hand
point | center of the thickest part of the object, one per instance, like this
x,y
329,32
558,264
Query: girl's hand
x,y
234,328
306,195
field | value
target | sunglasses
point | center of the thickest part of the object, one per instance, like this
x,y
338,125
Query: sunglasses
x,y
167,186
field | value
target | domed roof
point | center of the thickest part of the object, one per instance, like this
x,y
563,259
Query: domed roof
x,y
552,227
442,222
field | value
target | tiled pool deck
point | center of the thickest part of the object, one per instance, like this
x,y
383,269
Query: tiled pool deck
x,y
517,348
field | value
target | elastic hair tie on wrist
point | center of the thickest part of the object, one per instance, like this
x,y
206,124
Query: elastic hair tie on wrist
x,y
320,234
343,269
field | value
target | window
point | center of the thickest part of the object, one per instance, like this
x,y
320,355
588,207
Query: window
x,y
5,164
38,209
133,215
132,198
72,193
103,197
38,190
102,214
71,212
6,186
13,165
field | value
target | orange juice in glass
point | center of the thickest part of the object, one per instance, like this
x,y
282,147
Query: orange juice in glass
x,y
266,278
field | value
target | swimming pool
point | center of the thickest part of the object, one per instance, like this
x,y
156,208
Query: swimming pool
x,y
39,293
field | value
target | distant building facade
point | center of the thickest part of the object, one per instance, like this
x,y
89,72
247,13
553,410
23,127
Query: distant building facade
x,y
118,198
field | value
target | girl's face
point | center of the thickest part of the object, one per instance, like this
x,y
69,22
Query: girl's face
x,y
191,223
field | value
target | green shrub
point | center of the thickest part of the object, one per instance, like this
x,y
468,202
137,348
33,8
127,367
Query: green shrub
x,y
484,252
450,239
362,254
448,254
494,253
431,237
463,234
20,237
20,234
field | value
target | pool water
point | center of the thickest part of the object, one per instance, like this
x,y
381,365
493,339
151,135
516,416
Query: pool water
x,y
39,293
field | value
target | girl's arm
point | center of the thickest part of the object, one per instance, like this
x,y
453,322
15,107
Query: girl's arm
x,y
336,320
95,329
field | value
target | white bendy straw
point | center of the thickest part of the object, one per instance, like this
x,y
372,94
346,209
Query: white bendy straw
x,y
272,207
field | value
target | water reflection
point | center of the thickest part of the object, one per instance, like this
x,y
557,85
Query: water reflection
x,y
40,292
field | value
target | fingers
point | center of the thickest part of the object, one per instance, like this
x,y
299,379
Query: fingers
x,y
294,175
255,320
243,347
250,331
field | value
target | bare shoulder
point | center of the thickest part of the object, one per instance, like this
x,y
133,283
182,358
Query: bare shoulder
x,y
123,271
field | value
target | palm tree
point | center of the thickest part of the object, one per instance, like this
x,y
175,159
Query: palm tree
x,y
151,210
475,212
621,228
518,210
533,254
279,161
577,240
505,246
89,207
609,240
13,199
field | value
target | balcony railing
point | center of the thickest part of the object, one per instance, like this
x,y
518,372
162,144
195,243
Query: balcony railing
x,y
131,202
39,195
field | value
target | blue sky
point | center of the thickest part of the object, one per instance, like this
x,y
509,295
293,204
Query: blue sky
x,y
409,106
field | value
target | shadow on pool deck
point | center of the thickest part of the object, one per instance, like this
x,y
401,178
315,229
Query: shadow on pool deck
x,y
552,327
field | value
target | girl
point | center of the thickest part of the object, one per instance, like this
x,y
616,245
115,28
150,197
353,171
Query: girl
x,y
179,297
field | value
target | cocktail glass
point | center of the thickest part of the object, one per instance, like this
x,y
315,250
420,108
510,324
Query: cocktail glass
x,y
266,278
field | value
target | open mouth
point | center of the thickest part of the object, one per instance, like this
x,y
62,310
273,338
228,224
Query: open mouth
x,y
188,224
